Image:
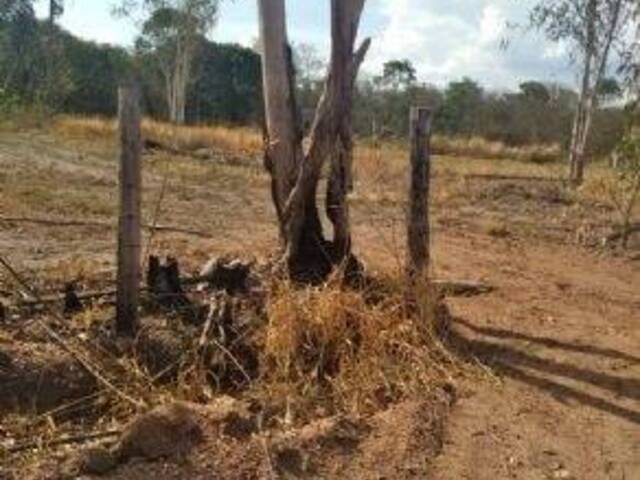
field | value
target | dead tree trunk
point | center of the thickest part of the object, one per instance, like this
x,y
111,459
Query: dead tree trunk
x,y
128,275
295,172
418,231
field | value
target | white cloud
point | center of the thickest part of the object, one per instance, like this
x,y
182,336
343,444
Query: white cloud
x,y
449,39
445,39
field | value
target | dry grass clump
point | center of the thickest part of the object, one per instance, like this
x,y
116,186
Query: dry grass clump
x,y
20,118
332,349
598,183
248,141
472,147
239,140
87,128
478,147
609,186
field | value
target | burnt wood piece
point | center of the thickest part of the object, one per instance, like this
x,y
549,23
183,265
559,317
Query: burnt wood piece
x,y
164,286
72,303
229,275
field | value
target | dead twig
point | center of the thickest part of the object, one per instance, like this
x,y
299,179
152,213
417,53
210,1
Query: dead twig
x,y
233,359
81,438
156,216
91,295
267,454
97,224
51,299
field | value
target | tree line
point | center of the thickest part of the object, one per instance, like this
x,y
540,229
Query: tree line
x,y
186,78
43,65
536,113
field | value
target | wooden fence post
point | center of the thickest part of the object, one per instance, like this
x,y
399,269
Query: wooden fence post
x,y
418,254
129,237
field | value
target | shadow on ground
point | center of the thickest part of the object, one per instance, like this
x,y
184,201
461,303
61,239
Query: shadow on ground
x,y
492,348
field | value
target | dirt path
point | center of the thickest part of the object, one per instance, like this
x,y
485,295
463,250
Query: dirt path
x,y
562,332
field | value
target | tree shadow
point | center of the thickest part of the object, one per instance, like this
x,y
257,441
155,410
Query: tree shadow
x,y
548,342
511,362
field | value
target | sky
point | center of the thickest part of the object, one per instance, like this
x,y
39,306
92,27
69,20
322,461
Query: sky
x,y
444,39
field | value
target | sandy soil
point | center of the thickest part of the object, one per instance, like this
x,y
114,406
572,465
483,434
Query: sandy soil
x,y
559,336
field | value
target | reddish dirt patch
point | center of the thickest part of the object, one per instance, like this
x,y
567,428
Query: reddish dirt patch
x,y
560,333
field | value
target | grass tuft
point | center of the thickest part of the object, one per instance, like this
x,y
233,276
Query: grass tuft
x,y
245,140
332,349
239,140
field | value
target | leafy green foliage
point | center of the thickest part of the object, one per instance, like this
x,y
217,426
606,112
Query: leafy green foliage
x,y
95,70
14,10
535,92
56,9
398,74
171,35
462,103
9,102
227,86
20,52
609,89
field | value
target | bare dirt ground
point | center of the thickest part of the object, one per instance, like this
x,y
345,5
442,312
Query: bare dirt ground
x,y
559,335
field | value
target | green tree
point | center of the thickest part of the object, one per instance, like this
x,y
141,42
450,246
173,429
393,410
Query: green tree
x,y
608,90
227,85
57,76
462,107
33,67
398,74
592,28
11,10
171,34
533,104
535,92
95,71
19,49
309,71
56,9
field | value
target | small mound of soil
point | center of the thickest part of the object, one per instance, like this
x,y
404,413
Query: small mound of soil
x,y
398,443
164,431
161,349
39,379
218,353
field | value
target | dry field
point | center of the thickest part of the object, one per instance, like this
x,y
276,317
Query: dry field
x,y
542,375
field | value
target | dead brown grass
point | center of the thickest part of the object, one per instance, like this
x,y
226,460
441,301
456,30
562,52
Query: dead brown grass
x,y
602,184
243,140
379,168
478,147
332,349
238,140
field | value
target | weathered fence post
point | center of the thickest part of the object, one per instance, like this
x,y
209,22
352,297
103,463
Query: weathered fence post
x,y
418,254
129,237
